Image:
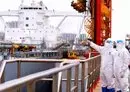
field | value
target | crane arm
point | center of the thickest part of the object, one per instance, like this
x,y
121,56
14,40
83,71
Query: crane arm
x,y
51,13
10,13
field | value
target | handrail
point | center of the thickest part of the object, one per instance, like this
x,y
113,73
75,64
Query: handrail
x,y
84,60
2,67
31,77
60,75
92,64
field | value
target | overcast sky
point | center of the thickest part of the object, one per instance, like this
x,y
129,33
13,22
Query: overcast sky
x,y
120,14
120,18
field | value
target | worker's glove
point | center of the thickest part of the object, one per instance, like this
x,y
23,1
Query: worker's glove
x,y
85,42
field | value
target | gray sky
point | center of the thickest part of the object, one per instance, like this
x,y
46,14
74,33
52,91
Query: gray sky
x,y
120,18
120,14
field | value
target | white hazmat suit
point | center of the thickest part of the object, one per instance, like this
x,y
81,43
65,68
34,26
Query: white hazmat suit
x,y
106,70
121,71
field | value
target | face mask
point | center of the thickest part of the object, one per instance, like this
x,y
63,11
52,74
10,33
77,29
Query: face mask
x,y
119,46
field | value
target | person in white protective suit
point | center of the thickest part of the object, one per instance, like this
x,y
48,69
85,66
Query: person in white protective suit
x,y
121,71
106,70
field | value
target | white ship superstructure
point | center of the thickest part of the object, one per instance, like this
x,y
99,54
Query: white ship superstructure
x,y
32,26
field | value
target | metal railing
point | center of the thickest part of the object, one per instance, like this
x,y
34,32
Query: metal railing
x,y
90,71
31,79
88,74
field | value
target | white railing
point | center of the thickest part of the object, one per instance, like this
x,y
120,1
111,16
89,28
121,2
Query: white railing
x,y
90,69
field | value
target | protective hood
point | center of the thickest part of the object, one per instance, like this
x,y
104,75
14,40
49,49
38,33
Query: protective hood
x,y
120,44
108,43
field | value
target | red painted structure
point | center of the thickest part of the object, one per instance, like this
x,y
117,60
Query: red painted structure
x,y
97,33
102,20
99,25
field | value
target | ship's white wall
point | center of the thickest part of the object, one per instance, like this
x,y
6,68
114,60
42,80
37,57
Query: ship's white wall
x,y
2,24
39,27
32,18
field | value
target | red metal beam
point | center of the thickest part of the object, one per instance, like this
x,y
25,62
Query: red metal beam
x,y
108,31
110,3
98,33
